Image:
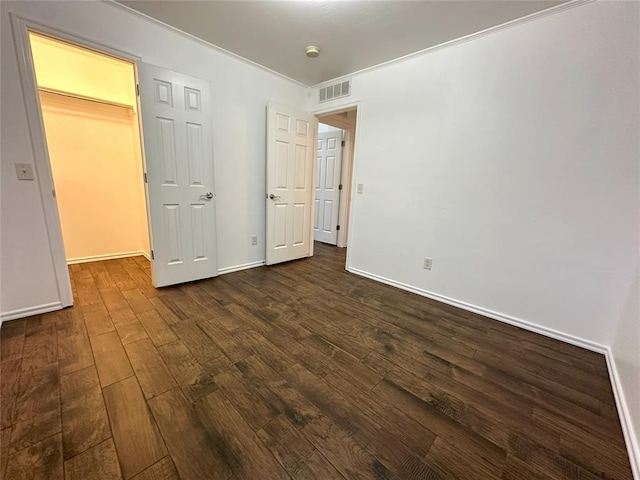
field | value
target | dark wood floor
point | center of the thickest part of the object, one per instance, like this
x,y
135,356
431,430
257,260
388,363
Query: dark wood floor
x,y
296,371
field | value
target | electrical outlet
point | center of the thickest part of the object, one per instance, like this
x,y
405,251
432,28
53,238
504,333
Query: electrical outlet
x,y
360,189
254,239
427,263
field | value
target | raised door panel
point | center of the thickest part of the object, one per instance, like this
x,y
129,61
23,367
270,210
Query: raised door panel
x,y
280,224
282,166
302,128
167,151
327,215
195,154
173,233
192,99
300,168
199,232
330,174
299,223
283,123
163,92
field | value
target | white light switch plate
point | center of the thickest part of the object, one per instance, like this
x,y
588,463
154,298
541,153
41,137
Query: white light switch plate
x,y
360,189
24,171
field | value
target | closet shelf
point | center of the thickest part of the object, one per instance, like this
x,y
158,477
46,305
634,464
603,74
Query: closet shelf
x,y
83,97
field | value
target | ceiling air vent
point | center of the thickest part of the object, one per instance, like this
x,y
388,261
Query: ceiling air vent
x,y
337,90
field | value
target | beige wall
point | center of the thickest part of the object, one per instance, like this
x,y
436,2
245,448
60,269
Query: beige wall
x,y
72,69
94,151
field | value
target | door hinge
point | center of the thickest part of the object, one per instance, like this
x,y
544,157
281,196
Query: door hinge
x,y
137,89
340,187
153,257
343,143
145,177
53,192
338,227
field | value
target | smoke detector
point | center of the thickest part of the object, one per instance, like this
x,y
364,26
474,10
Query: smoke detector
x,y
312,51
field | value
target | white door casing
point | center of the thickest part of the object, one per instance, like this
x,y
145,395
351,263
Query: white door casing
x,y
178,145
291,136
327,191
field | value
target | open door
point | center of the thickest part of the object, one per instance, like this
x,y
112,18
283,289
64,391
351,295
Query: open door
x,y
328,187
176,120
291,137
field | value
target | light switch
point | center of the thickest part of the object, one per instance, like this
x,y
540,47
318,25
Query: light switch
x,y
360,189
24,171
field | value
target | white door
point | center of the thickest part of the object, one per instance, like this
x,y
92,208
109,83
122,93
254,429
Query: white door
x,y
327,203
177,131
290,153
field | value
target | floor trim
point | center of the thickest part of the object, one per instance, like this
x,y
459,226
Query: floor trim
x,y
29,311
237,268
549,332
625,417
110,256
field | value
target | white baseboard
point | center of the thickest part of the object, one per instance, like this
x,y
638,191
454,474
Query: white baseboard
x,y
549,332
111,256
28,312
630,437
237,268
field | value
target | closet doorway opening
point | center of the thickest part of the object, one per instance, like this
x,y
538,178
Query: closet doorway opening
x,y
89,108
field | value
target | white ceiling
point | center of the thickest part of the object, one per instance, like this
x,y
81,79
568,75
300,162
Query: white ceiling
x,y
352,35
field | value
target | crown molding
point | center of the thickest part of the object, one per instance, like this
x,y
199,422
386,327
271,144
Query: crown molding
x,y
199,40
467,38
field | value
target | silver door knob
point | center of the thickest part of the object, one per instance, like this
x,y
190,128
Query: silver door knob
x,y
207,196
274,197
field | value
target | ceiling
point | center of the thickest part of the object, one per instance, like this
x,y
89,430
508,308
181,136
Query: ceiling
x,y
352,35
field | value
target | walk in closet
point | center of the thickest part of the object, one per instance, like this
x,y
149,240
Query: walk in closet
x,y
90,117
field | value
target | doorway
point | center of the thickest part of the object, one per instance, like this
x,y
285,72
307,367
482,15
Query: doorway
x,y
328,185
344,122
88,104
293,173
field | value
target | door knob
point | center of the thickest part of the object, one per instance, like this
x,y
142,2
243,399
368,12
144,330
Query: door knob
x,y
274,197
207,196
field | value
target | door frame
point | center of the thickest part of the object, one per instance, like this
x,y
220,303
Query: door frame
x,y
349,170
21,26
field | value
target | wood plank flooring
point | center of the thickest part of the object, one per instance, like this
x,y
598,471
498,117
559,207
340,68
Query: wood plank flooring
x,y
297,371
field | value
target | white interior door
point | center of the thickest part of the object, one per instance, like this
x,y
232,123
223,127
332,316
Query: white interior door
x,y
290,152
176,120
327,202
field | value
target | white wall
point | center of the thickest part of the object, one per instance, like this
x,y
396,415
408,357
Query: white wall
x,y
323,128
240,94
512,160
